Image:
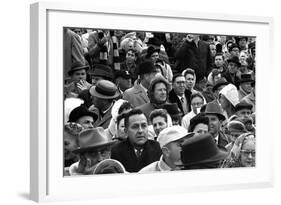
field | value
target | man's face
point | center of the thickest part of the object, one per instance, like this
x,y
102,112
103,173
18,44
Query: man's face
x,y
79,75
96,79
213,50
244,113
247,87
196,104
96,156
154,56
130,57
159,123
124,83
219,61
232,67
200,129
160,92
190,81
214,124
86,122
242,42
235,52
121,129
179,85
137,130
99,103
174,150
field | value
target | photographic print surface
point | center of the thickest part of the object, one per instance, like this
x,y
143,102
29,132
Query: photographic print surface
x,y
145,101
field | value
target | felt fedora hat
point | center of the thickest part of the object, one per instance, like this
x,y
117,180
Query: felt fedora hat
x,y
215,109
91,139
234,59
105,90
81,111
200,149
172,109
246,78
77,66
146,67
103,71
220,82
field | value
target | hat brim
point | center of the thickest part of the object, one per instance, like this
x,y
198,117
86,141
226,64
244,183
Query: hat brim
x,y
98,95
218,85
90,148
92,114
220,116
218,157
246,81
78,68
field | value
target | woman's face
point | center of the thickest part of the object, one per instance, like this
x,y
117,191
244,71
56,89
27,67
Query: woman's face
x,y
248,154
201,129
121,127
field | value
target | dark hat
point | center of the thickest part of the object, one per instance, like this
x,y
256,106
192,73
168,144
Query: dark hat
x,y
201,149
151,50
238,38
77,66
243,105
103,71
104,90
123,74
246,78
146,67
236,126
154,41
233,45
197,119
220,82
81,111
214,108
234,59
172,109
109,166
91,139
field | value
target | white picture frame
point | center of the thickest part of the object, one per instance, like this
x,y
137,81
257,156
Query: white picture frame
x,y
46,172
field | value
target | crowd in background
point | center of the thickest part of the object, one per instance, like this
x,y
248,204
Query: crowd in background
x,y
146,101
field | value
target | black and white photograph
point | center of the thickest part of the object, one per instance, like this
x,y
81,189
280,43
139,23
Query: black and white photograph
x,y
148,101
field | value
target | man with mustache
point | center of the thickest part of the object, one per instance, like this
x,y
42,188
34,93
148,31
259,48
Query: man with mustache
x,y
137,151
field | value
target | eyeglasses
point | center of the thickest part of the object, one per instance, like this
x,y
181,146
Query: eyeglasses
x,y
248,152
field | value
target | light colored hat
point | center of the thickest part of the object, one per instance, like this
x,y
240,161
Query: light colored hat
x,y
231,93
171,134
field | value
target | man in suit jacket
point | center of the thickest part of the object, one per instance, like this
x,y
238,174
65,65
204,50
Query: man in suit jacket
x,y
137,151
137,95
103,95
179,94
194,53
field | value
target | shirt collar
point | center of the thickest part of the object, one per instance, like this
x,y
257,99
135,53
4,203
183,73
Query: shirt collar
x,y
162,165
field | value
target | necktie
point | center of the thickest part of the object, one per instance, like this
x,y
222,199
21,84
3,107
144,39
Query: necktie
x,y
184,106
138,153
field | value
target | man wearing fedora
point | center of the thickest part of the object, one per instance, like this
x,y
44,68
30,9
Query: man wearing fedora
x,y
214,113
157,94
232,72
201,152
83,116
123,80
103,97
170,140
137,95
77,82
101,72
94,146
137,151
245,87
179,94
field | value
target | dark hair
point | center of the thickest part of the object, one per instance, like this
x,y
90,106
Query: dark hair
x,y
125,106
176,76
120,117
200,118
131,113
158,112
189,71
194,95
219,54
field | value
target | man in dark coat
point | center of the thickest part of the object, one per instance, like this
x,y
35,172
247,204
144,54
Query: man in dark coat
x,y
179,94
137,151
194,54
